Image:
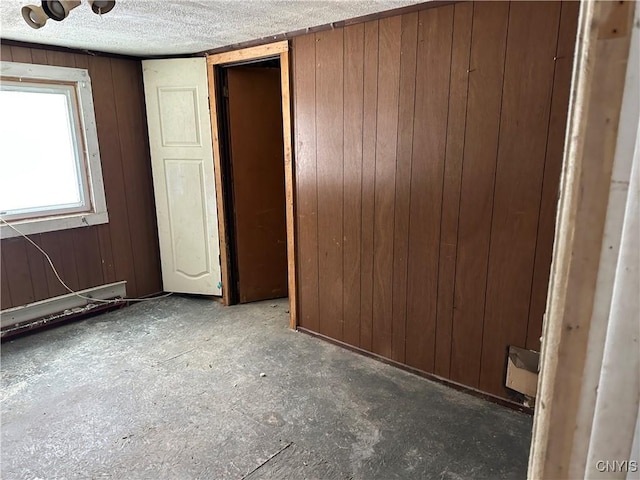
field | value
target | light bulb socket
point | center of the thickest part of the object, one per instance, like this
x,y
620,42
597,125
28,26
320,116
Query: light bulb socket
x,y
34,16
101,6
58,10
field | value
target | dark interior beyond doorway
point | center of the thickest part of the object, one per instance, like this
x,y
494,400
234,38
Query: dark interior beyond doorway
x,y
253,177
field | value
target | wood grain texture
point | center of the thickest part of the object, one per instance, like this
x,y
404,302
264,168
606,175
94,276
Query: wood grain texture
x,y
435,171
528,81
385,174
329,138
289,185
476,202
369,129
406,107
5,53
429,145
86,256
304,90
352,172
113,171
16,264
134,144
552,169
456,125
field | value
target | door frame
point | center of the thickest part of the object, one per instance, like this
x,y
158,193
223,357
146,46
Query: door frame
x,y
281,50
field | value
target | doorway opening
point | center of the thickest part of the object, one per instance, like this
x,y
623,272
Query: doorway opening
x,y
251,142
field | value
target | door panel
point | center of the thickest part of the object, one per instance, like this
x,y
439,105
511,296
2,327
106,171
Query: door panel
x,y
257,164
182,162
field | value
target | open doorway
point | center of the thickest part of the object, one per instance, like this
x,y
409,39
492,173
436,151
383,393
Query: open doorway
x,y
252,164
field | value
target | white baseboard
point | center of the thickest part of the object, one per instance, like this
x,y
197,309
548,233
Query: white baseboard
x,y
58,305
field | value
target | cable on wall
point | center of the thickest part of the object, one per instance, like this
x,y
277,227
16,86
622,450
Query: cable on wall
x,y
70,290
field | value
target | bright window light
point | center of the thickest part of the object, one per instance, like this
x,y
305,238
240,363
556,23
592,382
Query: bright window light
x,y
41,164
50,172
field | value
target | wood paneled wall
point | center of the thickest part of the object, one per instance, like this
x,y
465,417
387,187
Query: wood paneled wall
x,y
127,247
428,150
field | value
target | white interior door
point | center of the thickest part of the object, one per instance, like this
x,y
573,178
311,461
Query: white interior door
x,y
176,93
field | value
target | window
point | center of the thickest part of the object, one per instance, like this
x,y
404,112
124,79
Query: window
x,y
50,173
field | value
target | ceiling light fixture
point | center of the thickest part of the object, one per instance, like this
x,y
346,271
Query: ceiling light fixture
x,y
102,6
58,10
34,16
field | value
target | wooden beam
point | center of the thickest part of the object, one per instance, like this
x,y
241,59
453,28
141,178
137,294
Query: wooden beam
x,y
602,52
289,188
252,53
225,267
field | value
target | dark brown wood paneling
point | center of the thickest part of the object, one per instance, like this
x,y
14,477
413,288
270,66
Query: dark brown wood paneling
x,y
38,267
461,44
16,264
406,106
86,246
352,171
134,144
5,53
329,114
21,54
476,202
113,172
368,180
441,175
552,168
429,144
5,294
385,178
84,256
528,80
304,92
52,244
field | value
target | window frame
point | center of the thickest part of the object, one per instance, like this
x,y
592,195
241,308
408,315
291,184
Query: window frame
x,y
94,212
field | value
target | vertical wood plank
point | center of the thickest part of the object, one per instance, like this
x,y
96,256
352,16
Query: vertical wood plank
x,y
476,202
385,178
5,294
21,54
51,243
62,59
86,246
528,80
136,168
409,45
552,169
429,144
112,170
5,53
352,221
39,56
462,24
16,265
369,127
304,89
102,231
287,134
329,115
38,267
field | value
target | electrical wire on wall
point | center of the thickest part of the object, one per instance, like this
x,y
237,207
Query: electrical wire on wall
x,y
70,290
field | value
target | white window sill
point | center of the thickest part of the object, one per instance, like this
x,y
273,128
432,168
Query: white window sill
x,y
51,224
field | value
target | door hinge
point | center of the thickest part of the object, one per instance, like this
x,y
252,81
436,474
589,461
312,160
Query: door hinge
x,y
225,91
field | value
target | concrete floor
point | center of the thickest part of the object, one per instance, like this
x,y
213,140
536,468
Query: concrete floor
x,y
172,389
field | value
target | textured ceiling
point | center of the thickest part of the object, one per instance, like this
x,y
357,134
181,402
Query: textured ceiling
x,y
150,28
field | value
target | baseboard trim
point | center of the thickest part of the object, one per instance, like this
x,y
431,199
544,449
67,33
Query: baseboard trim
x,y
17,316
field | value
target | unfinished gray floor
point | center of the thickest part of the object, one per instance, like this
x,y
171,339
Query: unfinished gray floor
x,y
172,389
